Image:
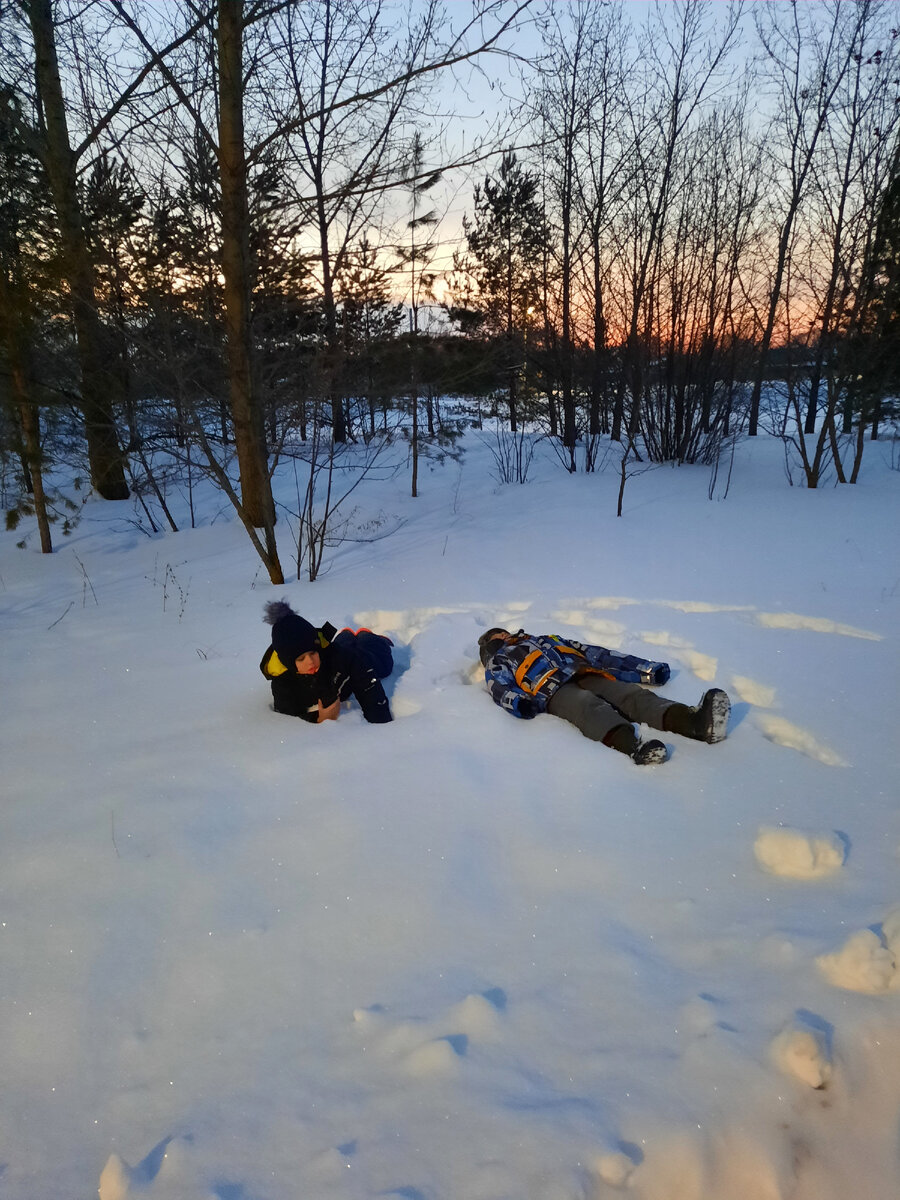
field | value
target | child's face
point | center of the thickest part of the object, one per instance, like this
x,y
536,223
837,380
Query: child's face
x,y
308,663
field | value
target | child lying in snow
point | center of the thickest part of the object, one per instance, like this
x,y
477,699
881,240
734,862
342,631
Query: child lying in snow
x,y
595,689
312,670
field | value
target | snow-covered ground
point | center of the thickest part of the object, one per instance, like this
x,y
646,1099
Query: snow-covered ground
x,y
458,957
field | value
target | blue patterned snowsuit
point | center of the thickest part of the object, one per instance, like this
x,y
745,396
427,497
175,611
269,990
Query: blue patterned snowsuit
x,y
523,675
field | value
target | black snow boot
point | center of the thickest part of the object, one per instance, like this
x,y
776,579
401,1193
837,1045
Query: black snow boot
x,y
647,754
625,740
704,722
622,738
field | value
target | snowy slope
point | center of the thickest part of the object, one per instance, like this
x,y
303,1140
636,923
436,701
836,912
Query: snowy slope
x,y
459,956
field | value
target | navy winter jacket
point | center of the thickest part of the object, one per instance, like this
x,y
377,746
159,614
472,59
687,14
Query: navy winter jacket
x,y
523,674
352,664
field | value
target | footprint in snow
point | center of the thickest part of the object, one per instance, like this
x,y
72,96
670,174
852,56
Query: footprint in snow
x,y
615,1168
784,733
760,695
425,1048
168,1169
814,625
793,854
440,1056
803,1049
869,961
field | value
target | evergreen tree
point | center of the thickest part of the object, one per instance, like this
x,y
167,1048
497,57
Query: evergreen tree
x,y
51,134
28,295
112,201
867,360
415,260
877,348
368,320
285,319
505,241
178,346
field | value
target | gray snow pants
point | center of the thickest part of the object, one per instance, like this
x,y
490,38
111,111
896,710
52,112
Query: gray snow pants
x,y
597,705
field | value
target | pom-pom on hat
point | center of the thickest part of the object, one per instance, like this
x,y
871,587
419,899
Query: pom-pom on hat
x,y
292,635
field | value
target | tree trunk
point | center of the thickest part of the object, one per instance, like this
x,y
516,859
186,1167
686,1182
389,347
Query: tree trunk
x,y
104,454
13,330
249,434
568,395
415,445
31,437
513,393
332,365
597,374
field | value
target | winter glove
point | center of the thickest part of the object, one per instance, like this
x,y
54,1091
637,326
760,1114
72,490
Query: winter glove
x,y
655,674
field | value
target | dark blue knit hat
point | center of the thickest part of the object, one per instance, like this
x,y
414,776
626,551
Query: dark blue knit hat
x,y
490,641
291,634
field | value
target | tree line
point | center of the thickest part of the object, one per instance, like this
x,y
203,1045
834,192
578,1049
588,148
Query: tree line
x,y
220,222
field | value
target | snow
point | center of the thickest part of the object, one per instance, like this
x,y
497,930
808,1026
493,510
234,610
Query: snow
x,y
804,1050
867,962
796,854
460,955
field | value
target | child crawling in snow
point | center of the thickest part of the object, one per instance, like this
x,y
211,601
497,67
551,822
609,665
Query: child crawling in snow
x,y
312,670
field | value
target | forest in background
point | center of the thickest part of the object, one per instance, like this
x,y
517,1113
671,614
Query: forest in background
x,y
221,244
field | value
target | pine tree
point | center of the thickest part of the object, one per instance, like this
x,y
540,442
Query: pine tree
x,y
871,351
505,242
369,320
284,319
178,353
884,331
415,260
51,133
27,295
112,202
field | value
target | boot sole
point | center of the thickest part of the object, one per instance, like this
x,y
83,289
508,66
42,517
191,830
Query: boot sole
x,y
719,710
648,755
